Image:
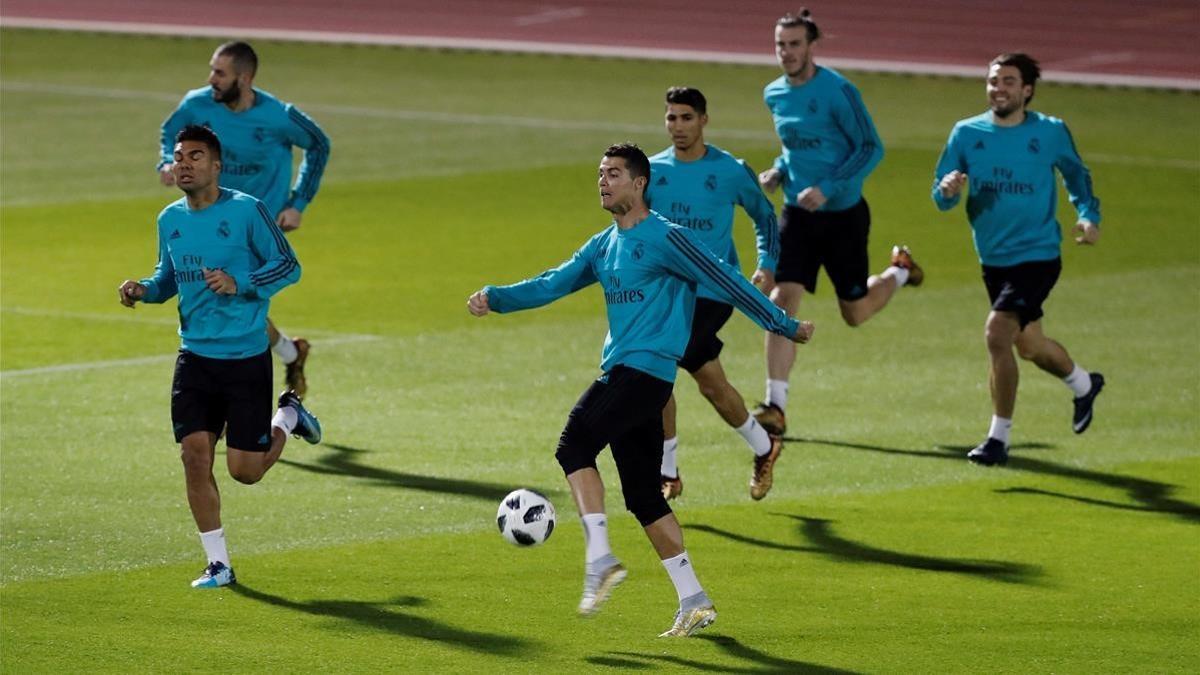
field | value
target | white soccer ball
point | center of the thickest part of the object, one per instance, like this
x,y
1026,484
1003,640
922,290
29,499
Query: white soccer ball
x,y
525,518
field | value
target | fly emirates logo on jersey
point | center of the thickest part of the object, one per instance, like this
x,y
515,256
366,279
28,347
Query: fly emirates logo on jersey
x,y
615,295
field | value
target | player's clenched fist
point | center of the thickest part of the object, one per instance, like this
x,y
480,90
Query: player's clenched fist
x,y
804,332
477,304
130,292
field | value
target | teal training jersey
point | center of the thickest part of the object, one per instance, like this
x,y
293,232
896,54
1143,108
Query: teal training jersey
x,y
649,274
700,195
236,234
256,146
1012,196
829,140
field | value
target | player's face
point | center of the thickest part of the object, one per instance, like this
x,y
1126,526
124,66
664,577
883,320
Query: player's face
x,y
1005,91
618,191
684,125
223,78
793,49
195,167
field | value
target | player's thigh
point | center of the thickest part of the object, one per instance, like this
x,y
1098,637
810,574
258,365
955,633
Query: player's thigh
x,y
616,402
248,399
801,247
704,345
196,404
1023,288
846,260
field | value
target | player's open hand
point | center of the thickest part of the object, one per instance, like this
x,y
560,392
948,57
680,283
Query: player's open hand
x,y
130,292
952,183
289,219
477,304
219,282
770,179
804,332
1089,232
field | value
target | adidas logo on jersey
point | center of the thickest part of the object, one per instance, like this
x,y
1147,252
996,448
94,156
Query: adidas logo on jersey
x,y
978,145
176,235
662,180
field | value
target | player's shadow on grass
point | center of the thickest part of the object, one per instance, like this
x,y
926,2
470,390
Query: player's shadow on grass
x,y
345,461
1151,496
384,616
821,538
762,662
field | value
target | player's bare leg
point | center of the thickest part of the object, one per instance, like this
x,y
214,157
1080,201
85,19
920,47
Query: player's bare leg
x,y
1000,334
197,450
881,287
781,356
293,352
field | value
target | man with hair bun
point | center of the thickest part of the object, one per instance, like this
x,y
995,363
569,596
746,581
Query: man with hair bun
x,y
830,147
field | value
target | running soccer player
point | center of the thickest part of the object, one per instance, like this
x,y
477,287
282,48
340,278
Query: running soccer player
x,y
1009,154
696,185
649,269
258,132
220,251
829,148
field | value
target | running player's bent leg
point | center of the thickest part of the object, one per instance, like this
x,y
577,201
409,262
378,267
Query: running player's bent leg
x,y
197,451
1046,353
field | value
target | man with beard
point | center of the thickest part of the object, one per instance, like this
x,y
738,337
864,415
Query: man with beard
x,y
257,132
830,146
1010,154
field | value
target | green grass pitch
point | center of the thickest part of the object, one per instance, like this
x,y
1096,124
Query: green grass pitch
x,y
879,550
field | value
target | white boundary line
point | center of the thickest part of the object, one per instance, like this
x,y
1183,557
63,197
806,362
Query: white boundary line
x,y
608,51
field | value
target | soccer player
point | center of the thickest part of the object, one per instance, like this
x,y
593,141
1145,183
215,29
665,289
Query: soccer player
x,y
221,252
1009,154
829,147
649,269
258,132
696,185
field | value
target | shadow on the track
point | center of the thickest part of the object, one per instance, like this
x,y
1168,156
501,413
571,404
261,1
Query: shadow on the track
x,y
1151,496
821,538
757,660
345,461
385,617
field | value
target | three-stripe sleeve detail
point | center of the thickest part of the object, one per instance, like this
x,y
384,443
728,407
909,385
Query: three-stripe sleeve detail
x,y
713,273
308,188
288,264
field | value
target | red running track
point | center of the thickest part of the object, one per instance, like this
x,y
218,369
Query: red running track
x,y
1094,38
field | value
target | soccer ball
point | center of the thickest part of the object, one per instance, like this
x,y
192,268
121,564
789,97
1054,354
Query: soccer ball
x,y
525,518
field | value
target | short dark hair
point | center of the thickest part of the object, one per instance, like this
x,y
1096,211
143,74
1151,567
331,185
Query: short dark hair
x,y
242,54
801,18
1030,70
203,134
688,96
635,160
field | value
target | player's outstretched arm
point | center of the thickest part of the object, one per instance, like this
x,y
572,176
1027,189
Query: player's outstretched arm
x,y
477,304
129,292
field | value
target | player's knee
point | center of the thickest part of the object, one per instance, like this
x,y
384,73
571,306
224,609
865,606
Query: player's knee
x,y
572,454
245,475
852,316
647,505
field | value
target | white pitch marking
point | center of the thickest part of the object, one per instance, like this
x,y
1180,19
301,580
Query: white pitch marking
x,y
550,16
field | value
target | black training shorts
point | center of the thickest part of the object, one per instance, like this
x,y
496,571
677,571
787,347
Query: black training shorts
x,y
704,345
1022,288
835,239
214,394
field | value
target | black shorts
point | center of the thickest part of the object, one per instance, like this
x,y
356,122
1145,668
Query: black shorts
x,y
835,239
623,410
215,394
1022,288
704,345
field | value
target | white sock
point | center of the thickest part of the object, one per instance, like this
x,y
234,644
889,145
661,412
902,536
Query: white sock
x,y
1080,381
595,533
214,546
669,468
898,273
285,349
285,418
777,391
999,429
683,575
756,436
